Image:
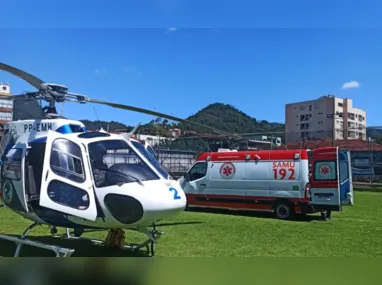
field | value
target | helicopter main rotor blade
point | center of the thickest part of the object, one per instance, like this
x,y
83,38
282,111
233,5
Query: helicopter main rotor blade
x,y
157,114
32,80
36,82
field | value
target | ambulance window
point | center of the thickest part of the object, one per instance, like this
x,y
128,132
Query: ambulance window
x,y
344,171
199,170
325,170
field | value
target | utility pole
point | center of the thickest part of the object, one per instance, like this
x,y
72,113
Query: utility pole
x,y
371,161
334,131
333,126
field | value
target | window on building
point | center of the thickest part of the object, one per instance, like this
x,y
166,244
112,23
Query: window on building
x,y
340,104
4,88
6,103
5,116
351,134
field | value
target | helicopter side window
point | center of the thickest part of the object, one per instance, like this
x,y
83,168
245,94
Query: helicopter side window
x,y
68,195
114,162
66,160
199,170
12,164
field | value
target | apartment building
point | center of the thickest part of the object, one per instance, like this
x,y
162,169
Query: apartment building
x,y
6,105
320,118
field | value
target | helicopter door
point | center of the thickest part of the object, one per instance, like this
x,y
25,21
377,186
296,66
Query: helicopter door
x,y
66,184
12,178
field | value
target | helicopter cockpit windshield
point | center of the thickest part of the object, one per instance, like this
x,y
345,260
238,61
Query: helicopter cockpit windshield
x,y
114,162
150,157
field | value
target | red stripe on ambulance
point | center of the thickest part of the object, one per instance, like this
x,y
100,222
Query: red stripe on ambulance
x,y
262,154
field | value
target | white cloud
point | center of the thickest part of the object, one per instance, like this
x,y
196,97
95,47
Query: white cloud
x,y
132,69
350,84
100,71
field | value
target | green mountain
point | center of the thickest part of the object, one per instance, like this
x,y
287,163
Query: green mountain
x,y
229,119
111,126
219,116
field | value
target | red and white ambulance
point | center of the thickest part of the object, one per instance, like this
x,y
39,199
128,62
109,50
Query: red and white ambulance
x,y
286,182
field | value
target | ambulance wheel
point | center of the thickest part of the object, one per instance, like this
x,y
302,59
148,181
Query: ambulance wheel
x,y
283,210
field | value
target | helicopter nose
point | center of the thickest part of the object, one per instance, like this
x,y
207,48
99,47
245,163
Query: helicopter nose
x,y
170,200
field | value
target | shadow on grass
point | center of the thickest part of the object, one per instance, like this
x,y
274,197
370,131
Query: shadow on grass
x,y
82,248
177,224
254,214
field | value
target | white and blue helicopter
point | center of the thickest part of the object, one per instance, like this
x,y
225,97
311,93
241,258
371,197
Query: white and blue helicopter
x,y
56,173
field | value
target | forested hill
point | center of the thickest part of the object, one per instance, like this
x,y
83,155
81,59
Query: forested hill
x,y
227,118
220,116
111,126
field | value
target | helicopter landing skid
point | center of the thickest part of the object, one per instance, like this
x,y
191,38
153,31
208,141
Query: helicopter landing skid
x,y
20,241
152,234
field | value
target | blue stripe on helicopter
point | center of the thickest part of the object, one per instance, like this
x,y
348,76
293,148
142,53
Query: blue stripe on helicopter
x,y
68,129
65,129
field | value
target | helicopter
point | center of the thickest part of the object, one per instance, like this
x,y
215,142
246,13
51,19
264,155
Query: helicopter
x,y
56,173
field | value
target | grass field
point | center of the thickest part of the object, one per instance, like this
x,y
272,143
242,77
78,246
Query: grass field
x,y
355,232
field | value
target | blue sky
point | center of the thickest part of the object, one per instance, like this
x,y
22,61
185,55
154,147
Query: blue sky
x,y
256,57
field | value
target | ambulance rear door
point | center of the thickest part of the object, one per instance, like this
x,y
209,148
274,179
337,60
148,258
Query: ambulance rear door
x,y
346,181
331,184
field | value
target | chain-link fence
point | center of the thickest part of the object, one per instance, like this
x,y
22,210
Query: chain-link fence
x,y
365,146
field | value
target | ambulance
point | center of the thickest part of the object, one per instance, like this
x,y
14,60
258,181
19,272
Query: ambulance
x,y
285,182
